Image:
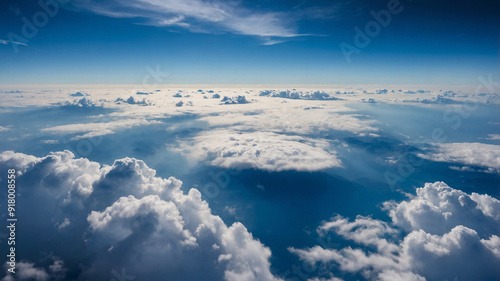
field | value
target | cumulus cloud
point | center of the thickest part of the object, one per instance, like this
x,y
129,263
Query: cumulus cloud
x,y
301,95
122,216
79,103
439,234
436,208
261,150
475,154
78,94
135,100
234,100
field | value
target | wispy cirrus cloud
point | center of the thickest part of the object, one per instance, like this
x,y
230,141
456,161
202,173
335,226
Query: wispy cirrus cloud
x,y
212,16
7,42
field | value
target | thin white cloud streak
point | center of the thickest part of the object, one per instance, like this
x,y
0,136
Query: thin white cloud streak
x,y
7,42
197,15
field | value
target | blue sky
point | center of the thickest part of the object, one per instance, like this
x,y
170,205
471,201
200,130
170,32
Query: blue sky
x,y
249,42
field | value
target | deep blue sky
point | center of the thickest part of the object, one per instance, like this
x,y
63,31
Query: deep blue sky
x,y
250,42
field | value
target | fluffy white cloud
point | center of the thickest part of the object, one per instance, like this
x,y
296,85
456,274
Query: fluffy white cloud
x,y
123,216
265,151
493,244
135,100
168,219
28,271
436,208
363,230
80,103
476,154
247,258
449,233
76,175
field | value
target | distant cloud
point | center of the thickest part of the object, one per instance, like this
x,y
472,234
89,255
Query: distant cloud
x,y
97,129
289,118
135,100
50,141
78,94
299,95
85,103
448,233
200,16
436,100
493,137
476,154
264,151
234,100
270,42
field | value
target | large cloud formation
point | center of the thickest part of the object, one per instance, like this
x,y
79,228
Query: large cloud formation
x,y
123,220
441,233
262,150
